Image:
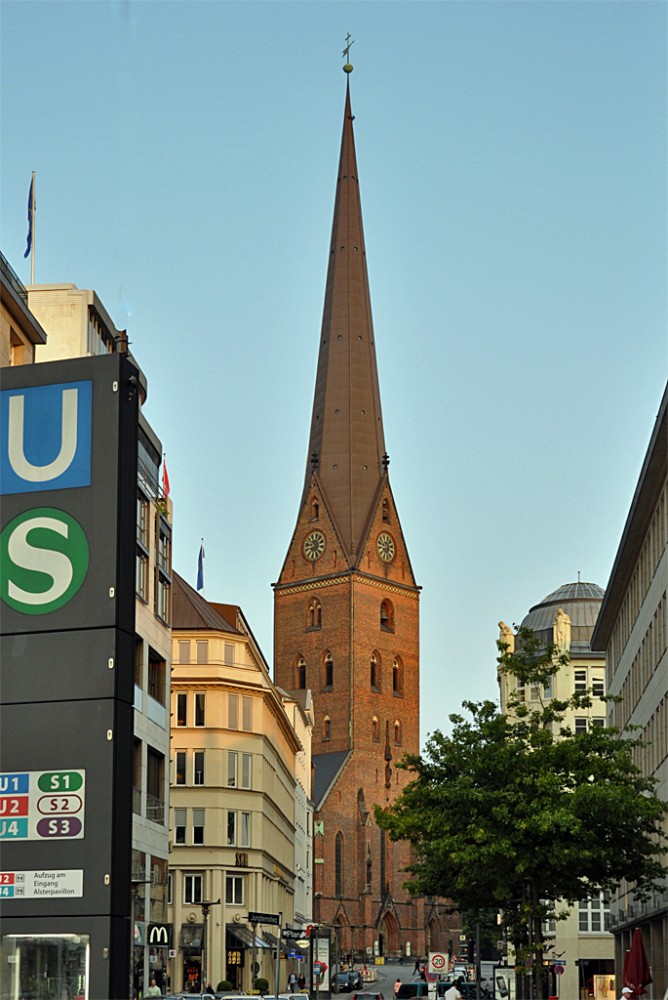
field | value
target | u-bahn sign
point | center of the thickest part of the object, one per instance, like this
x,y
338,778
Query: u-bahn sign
x,y
68,474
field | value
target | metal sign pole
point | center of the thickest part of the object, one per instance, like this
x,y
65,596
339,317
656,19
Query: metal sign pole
x,y
278,952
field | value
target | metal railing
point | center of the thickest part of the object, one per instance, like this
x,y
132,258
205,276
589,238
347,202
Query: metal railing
x,y
155,809
13,279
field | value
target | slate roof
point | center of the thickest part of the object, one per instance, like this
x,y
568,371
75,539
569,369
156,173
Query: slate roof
x,y
327,767
191,611
346,422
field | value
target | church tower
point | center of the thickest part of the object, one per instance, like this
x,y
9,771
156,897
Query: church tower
x,y
346,615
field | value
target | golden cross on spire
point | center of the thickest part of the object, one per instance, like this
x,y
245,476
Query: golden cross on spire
x,y
346,52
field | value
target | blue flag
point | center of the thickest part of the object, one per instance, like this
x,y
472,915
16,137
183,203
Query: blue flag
x,y
30,213
200,568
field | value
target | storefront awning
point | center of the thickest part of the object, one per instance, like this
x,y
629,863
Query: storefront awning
x,y
245,937
270,939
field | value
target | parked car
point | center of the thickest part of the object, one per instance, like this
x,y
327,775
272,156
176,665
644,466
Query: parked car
x,y
367,995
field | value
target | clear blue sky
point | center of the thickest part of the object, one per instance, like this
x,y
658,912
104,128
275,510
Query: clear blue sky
x,y
512,161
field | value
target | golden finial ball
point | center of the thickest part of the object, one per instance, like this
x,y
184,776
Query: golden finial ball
x,y
347,68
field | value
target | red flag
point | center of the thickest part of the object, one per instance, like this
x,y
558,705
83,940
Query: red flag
x,y
165,478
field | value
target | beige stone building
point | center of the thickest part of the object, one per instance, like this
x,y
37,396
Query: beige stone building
x,y
20,332
632,629
240,800
567,617
57,322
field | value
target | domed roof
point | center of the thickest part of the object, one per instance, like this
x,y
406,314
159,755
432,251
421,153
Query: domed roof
x,y
580,601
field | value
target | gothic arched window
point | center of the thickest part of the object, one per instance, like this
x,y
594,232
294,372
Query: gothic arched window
x,y
397,732
397,676
327,728
387,616
374,672
314,614
301,674
328,664
375,729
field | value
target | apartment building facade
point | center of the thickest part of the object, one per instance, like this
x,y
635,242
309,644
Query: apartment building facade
x,y
240,800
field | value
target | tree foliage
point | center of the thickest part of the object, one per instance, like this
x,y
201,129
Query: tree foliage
x,y
516,811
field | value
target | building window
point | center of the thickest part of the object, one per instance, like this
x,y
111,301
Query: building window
x,y
141,583
142,520
163,571
327,728
580,678
598,687
179,826
245,829
192,888
234,890
184,650
200,704
202,650
521,693
329,671
314,614
315,509
155,786
594,915
180,767
580,725
386,512
170,886
232,765
246,770
231,829
375,729
157,676
182,709
233,711
374,673
247,713
547,689
597,721
301,673
162,598
397,732
338,864
387,616
198,767
198,826
228,654
397,676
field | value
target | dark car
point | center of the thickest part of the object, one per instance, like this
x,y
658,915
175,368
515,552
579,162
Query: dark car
x,y
367,995
346,982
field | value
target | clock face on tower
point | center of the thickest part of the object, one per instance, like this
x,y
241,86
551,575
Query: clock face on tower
x,y
385,546
314,545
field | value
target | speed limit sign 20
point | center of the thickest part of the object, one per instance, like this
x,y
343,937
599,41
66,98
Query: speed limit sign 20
x,y
437,961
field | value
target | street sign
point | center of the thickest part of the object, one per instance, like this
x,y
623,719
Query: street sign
x,y
263,918
38,884
35,805
317,968
303,943
558,970
291,933
437,961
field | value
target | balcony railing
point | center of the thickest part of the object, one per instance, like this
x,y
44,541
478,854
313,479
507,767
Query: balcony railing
x,y
155,809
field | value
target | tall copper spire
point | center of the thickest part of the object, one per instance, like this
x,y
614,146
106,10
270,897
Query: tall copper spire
x,y
346,444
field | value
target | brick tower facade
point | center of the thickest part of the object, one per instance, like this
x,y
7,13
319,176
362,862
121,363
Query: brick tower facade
x,y
346,619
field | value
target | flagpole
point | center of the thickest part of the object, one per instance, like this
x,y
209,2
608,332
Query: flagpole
x,y
32,249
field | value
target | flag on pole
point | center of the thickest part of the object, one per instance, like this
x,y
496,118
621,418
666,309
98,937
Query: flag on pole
x,y
165,477
200,567
31,212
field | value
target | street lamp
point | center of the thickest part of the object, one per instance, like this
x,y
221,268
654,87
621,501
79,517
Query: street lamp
x,y
206,905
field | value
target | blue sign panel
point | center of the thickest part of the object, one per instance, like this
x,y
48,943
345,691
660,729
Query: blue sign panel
x,y
46,437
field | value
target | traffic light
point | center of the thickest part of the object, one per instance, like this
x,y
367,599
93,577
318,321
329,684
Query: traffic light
x,y
470,951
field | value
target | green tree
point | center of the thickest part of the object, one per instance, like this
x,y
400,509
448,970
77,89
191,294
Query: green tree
x,y
516,811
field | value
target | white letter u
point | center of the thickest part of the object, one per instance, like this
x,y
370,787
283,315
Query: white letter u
x,y
68,440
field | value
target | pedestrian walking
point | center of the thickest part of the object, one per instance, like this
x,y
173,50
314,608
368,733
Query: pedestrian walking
x,y
396,986
453,993
292,981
